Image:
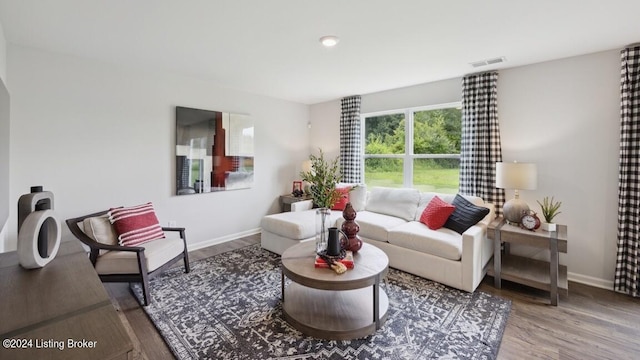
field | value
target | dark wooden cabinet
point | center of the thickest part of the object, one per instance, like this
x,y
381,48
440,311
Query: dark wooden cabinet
x,y
61,311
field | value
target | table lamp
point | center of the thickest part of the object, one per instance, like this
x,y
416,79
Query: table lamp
x,y
516,176
307,167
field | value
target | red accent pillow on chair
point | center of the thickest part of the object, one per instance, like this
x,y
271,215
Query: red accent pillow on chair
x,y
135,225
435,215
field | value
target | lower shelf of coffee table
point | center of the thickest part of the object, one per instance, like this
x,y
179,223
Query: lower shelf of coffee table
x,y
335,315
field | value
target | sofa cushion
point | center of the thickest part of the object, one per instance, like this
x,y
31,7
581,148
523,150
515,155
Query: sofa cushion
x,y
426,197
444,243
374,226
401,203
298,225
357,195
465,215
435,215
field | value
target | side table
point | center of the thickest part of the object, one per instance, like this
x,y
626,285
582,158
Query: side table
x,y
288,199
548,276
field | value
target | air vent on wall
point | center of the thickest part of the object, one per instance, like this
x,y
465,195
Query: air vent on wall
x,y
486,62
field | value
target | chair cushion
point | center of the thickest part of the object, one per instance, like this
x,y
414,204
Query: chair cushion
x,y
444,243
100,229
435,215
136,225
465,215
157,253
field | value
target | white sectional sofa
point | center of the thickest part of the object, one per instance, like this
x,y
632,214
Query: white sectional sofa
x,y
389,219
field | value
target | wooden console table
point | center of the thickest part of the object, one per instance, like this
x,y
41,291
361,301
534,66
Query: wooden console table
x,y
61,311
548,276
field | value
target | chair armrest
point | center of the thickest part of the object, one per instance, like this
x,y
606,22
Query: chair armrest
x,y
178,229
181,230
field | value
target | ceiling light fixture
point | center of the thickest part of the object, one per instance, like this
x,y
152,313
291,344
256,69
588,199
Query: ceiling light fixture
x,y
329,40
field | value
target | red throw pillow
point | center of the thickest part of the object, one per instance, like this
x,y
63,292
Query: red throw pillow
x,y
344,198
135,225
435,215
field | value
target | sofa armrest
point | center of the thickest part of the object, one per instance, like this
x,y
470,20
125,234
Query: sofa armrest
x,y
302,205
473,241
490,216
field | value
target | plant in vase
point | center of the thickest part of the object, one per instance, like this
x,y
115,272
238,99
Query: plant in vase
x,y
550,209
322,177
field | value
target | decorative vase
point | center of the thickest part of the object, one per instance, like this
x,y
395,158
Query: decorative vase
x,y
39,230
323,222
350,227
548,226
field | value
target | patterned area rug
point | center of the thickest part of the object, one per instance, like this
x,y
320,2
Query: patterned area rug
x,y
228,307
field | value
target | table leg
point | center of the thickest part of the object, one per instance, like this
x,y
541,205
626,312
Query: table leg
x,y
553,271
497,259
376,302
282,284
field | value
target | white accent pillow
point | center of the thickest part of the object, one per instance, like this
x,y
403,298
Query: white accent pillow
x,y
401,203
357,195
100,229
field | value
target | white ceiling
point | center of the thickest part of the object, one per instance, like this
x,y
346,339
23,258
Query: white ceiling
x,y
271,47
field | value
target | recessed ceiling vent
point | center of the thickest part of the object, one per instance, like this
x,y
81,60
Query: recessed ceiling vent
x,y
486,62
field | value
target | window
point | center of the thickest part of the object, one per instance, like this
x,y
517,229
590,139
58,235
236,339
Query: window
x,y
416,147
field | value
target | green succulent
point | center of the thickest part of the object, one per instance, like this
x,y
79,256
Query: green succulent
x,y
549,208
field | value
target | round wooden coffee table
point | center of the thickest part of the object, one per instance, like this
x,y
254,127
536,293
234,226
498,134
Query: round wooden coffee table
x,y
325,305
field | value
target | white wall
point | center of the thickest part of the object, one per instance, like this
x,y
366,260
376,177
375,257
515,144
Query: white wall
x,y
3,76
99,135
3,55
562,115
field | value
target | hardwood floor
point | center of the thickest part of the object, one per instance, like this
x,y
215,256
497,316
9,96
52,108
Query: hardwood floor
x,y
589,323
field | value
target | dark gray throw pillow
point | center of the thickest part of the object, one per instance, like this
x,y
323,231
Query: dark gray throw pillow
x,y
465,215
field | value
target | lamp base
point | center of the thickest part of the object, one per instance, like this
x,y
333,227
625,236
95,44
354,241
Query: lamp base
x,y
513,211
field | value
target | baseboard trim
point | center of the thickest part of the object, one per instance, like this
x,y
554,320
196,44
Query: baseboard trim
x,y
223,239
591,281
579,278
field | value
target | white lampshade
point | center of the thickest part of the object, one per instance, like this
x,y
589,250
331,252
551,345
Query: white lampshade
x,y
516,176
306,166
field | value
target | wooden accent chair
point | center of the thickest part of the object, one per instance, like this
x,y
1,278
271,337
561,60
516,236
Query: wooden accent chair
x,y
115,263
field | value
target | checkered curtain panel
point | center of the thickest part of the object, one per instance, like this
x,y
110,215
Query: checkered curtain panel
x,y
627,278
480,148
350,156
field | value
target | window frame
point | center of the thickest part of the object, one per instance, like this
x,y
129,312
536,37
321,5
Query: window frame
x,y
409,155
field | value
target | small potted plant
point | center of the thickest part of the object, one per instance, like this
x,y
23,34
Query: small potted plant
x,y
549,211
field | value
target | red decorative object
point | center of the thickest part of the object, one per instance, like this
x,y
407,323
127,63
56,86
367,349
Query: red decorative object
x,y
344,198
136,225
350,227
435,215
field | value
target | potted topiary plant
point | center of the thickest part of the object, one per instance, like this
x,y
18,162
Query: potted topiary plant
x,y
323,178
549,211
